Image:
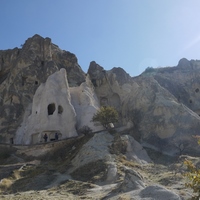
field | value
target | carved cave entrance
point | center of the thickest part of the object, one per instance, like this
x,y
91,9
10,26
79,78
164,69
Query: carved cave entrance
x,y
60,109
51,108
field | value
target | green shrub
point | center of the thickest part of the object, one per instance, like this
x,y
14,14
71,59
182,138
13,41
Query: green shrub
x,y
193,176
85,130
106,116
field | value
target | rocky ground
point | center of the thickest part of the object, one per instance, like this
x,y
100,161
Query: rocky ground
x,y
53,175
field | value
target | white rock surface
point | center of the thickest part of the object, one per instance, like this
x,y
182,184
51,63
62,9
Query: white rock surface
x,y
135,151
157,192
97,148
52,112
86,104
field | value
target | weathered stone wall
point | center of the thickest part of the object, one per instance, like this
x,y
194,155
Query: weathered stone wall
x,y
51,111
21,73
161,106
152,106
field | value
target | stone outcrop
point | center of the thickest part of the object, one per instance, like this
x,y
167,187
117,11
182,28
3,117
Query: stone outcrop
x,y
98,149
157,115
160,107
52,112
57,108
22,70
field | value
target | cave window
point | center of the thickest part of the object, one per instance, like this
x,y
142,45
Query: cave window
x,y
190,101
60,109
51,108
36,82
197,90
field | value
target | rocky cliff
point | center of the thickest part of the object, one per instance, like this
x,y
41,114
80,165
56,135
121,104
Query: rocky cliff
x,y
22,71
160,108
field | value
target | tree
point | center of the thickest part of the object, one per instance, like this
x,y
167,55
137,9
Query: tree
x,y
106,115
193,175
85,130
181,145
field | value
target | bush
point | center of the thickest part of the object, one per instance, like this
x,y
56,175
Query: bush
x,y
85,130
106,116
193,176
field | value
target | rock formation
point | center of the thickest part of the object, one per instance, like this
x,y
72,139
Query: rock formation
x,y
52,112
21,73
157,116
160,107
44,90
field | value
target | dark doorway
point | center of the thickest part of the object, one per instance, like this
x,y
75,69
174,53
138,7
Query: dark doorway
x,y
51,108
60,109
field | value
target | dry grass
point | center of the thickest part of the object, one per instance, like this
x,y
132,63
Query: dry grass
x,y
92,172
75,187
5,184
132,164
30,181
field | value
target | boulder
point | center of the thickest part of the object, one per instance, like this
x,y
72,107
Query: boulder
x,y
157,192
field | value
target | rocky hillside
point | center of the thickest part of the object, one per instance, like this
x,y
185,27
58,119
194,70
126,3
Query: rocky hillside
x,y
43,90
96,166
161,106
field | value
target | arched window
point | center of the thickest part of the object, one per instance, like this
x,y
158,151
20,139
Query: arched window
x,y
51,108
60,109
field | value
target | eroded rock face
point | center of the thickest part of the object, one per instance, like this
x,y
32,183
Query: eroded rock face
x,y
152,106
21,73
86,104
161,106
52,112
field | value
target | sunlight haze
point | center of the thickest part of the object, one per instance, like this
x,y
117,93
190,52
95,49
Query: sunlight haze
x,y
131,34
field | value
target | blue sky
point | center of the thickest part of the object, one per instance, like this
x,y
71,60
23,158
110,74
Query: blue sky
x,y
131,34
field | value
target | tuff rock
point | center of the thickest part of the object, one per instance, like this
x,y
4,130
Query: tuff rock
x,y
21,73
44,90
160,107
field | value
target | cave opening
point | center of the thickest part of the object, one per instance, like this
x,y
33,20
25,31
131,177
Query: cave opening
x,y
60,109
51,108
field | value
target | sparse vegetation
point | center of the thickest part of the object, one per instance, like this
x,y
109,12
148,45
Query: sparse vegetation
x,y
91,172
181,145
31,180
193,176
118,146
85,130
106,116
